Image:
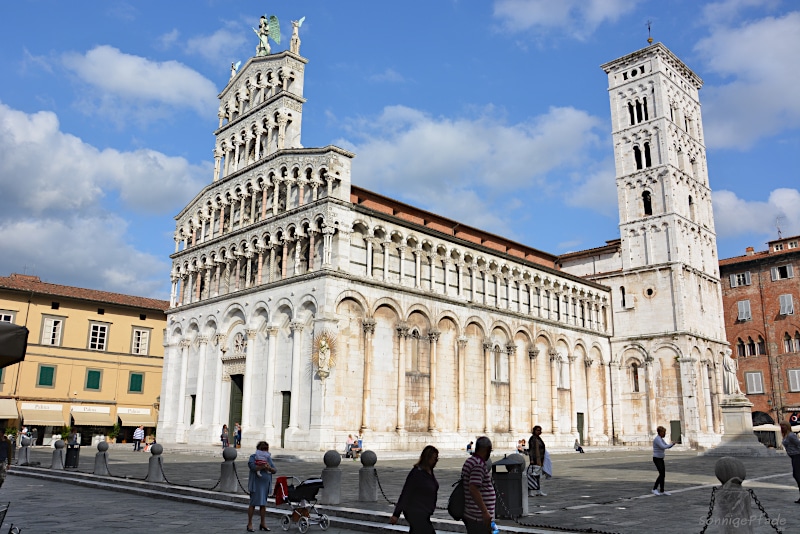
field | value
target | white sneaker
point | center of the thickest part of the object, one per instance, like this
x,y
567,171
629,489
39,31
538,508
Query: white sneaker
x,y
542,494
531,493
666,493
656,492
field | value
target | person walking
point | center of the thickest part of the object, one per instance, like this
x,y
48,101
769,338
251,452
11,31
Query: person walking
x,y
138,436
479,495
659,446
791,444
5,457
536,450
418,498
224,437
258,486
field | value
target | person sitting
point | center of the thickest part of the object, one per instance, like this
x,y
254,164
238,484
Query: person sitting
x,y
469,448
521,447
348,446
578,446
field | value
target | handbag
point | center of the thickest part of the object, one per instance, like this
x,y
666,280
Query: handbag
x,y
456,503
534,472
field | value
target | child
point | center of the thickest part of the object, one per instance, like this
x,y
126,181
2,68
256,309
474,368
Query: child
x,y
262,458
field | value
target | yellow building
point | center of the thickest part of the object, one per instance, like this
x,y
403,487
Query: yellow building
x,y
94,359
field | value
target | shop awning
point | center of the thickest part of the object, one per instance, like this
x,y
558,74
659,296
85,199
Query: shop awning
x,y
8,409
43,417
92,419
136,419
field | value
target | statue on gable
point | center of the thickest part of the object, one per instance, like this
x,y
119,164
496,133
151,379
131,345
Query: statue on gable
x,y
294,45
268,28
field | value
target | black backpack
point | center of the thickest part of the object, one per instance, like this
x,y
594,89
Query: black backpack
x,y
456,502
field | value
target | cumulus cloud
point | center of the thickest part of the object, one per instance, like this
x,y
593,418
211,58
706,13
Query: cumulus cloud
x,y
758,58
138,86
388,76
468,168
223,46
597,191
735,216
576,18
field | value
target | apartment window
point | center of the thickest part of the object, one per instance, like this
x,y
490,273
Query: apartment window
x,y
141,341
6,316
791,244
744,310
51,330
791,344
751,347
754,382
781,273
740,279
794,379
46,376
136,383
740,350
98,336
778,247
787,305
93,379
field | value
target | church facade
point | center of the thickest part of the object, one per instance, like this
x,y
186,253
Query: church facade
x,y
306,308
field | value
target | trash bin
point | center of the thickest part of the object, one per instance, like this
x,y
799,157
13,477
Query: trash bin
x,y
511,486
73,455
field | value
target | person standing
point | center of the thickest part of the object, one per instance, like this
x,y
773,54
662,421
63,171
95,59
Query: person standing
x,y
659,446
418,498
138,436
224,437
237,436
479,495
258,486
5,457
791,444
536,450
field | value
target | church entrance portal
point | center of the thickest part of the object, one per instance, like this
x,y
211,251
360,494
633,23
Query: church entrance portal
x,y
235,412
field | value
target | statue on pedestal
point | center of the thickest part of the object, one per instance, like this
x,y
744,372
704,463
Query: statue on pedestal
x,y
294,45
730,384
268,28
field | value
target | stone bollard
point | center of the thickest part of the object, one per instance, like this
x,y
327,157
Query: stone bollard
x,y
24,453
367,482
227,475
154,471
101,460
732,502
331,479
58,456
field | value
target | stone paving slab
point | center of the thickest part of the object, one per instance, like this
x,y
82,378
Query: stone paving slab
x,y
607,491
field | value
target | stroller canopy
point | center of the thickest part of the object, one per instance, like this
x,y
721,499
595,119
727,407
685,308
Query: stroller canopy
x,y
13,343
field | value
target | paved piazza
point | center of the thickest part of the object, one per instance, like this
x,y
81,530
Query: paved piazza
x,y
607,491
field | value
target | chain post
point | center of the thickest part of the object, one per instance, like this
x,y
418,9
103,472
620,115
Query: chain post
x,y
710,510
763,511
378,479
235,472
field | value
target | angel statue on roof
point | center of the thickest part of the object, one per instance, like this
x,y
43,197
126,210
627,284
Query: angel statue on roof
x,y
268,28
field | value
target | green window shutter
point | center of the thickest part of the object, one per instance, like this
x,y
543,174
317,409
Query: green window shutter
x,y
46,375
93,380
136,383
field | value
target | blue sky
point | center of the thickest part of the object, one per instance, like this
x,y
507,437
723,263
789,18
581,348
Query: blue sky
x,y
493,113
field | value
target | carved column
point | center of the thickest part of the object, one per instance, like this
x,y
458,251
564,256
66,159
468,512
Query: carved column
x,y
236,156
609,427
276,190
271,277
487,386
472,283
327,244
485,287
573,425
369,257
555,360
297,345
184,344
201,379
259,131
511,349
369,330
432,264
706,395
433,336
446,269
418,268
386,248
238,267
715,397
311,244
401,252
651,400
207,271
249,370
197,284
402,335
248,273
264,188
217,158
462,410
587,362
217,263
260,264
284,257
297,248
460,280
533,352
269,409
220,340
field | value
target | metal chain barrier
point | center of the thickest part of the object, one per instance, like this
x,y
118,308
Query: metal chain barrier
x,y
710,509
763,511
235,472
105,460
161,468
381,488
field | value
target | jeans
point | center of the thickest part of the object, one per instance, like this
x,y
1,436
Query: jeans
x,y
662,473
137,444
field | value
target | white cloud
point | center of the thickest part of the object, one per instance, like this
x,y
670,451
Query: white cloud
x,y
468,168
389,76
597,192
735,216
576,18
727,11
168,39
223,46
136,84
759,101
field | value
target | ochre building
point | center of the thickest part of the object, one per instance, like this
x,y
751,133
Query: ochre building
x,y
94,359
307,308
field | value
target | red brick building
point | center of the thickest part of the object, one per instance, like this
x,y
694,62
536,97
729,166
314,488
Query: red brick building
x,y
761,298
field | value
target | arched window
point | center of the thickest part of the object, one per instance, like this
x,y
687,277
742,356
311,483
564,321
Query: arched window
x,y
761,346
630,113
637,156
644,105
691,208
797,341
647,203
647,161
635,377
740,348
638,111
622,294
751,347
787,343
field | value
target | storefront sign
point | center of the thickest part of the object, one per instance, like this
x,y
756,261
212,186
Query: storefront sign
x,y
90,409
41,407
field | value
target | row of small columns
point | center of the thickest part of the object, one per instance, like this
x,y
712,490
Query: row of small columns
x,y
232,153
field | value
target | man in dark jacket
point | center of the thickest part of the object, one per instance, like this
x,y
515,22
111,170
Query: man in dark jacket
x,y
5,457
536,455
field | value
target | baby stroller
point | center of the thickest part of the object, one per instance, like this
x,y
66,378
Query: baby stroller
x,y
302,498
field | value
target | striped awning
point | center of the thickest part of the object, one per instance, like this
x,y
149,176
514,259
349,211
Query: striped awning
x,y
8,409
43,417
136,419
93,419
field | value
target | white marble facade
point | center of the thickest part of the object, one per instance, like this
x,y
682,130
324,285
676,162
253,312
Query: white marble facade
x,y
436,336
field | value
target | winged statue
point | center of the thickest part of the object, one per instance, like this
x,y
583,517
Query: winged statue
x,y
268,28
235,68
